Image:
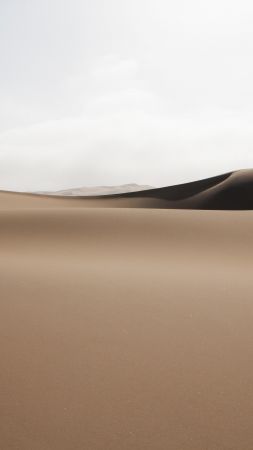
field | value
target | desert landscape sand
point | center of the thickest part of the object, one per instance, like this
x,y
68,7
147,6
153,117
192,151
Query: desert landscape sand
x,y
126,321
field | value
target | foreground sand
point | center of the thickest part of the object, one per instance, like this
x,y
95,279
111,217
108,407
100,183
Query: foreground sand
x,y
124,328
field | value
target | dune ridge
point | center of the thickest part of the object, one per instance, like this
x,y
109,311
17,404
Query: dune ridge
x,y
230,191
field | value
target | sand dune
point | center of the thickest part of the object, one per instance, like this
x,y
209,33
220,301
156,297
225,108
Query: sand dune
x,y
231,191
127,328
99,190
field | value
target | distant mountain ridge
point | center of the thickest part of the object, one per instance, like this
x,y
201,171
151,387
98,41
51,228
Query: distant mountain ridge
x,y
99,190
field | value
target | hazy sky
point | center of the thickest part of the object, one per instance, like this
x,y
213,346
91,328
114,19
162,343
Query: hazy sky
x,y
109,91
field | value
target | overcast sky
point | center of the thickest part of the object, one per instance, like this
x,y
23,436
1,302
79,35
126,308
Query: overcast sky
x,y
99,92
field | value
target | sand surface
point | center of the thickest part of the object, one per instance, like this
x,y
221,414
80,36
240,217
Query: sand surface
x,y
124,328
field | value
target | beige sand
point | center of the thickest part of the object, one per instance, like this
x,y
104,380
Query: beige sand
x,y
124,329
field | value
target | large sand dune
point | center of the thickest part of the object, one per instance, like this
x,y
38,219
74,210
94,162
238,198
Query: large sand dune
x,y
230,191
127,328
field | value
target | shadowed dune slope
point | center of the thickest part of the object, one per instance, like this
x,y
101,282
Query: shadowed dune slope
x,y
231,191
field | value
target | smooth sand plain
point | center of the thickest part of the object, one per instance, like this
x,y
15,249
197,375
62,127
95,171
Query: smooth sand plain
x,y
124,328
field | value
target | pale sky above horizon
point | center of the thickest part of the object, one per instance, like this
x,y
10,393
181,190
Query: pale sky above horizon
x,y
110,92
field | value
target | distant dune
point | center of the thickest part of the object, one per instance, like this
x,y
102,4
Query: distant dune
x,y
99,190
125,326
